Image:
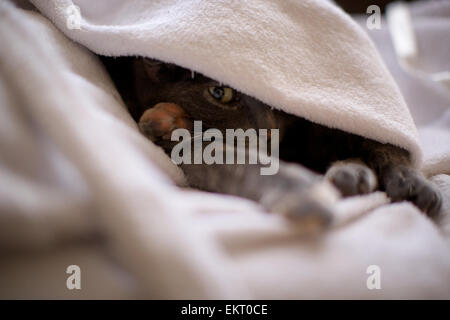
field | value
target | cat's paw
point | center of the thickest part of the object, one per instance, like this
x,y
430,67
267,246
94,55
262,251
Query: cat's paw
x,y
158,123
352,178
403,183
311,208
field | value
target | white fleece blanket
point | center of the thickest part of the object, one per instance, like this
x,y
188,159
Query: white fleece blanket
x,y
80,185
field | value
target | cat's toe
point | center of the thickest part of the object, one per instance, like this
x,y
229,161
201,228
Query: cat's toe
x,y
402,183
352,178
158,122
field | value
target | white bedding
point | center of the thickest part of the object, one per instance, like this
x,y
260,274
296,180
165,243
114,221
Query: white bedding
x,y
79,185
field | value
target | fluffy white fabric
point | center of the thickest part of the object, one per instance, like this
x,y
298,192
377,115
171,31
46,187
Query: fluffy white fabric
x,y
73,166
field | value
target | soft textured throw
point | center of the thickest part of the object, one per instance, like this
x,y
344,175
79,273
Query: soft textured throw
x,y
79,185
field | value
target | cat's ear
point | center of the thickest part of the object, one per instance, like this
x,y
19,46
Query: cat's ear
x,y
159,71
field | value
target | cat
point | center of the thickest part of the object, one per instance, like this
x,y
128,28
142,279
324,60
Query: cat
x,y
308,152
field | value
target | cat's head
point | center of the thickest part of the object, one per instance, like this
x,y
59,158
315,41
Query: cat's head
x,y
216,105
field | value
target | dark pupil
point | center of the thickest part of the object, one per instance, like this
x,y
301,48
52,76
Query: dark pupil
x,y
217,93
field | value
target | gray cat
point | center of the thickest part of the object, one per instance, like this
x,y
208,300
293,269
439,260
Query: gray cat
x,y
308,151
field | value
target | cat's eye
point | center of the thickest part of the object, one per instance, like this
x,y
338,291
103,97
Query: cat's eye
x,y
222,94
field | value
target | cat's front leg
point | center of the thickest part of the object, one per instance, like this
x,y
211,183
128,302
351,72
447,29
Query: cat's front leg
x,y
293,191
